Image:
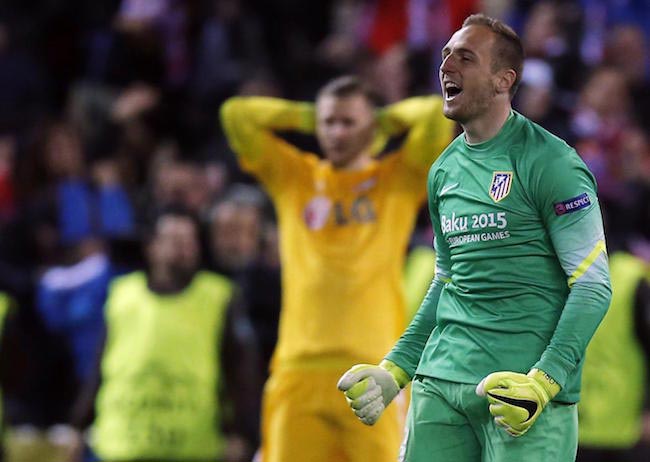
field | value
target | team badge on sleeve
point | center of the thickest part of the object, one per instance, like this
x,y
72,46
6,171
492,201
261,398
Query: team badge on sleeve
x,y
572,205
500,187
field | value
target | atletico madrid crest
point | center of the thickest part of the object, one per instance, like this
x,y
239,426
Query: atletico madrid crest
x,y
500,187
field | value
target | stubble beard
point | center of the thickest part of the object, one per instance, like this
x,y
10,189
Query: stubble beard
x,y
474,108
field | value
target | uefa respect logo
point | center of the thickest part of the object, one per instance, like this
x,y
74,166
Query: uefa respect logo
x,y
572,205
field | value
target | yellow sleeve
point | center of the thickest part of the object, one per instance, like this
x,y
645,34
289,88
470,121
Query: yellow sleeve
x,y
419,271
429,131
249,123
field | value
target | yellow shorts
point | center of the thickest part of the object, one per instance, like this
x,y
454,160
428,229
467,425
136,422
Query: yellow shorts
x,y
305,418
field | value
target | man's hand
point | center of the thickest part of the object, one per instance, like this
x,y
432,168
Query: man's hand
x,y
369,389
516,400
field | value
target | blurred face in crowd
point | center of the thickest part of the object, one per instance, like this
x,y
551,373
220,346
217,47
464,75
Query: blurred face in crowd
x,y
345,128
183,184
606,93
174,249
626,50
235,234
63,152
467,78
541,29
7,155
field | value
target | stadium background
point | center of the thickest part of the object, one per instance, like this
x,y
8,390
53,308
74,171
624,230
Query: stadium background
x,y
124,95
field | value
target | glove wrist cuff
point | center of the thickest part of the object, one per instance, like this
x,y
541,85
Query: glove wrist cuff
x,y
399,374
548,383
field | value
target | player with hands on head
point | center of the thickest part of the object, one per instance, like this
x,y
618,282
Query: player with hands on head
x,y
344,220
495,351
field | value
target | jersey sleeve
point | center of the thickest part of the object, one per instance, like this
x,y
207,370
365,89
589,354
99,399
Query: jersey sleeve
x,y
565,194
249,124
429,131
407,351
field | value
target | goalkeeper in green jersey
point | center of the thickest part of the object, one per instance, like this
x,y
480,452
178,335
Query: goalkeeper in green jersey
x,y
495,351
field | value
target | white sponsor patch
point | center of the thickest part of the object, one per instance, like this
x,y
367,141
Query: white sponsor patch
x,y
317,212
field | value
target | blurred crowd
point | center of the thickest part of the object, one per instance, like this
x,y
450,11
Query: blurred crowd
x,y
108,115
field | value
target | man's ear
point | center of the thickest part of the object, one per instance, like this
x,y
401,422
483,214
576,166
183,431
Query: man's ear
x,y
505,80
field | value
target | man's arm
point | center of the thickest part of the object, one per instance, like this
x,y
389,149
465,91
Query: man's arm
x,y
429,131
574,222
242,378
565,194
249,122
82,412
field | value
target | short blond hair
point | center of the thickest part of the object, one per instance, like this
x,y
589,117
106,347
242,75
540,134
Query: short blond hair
x,y
349,85
508,51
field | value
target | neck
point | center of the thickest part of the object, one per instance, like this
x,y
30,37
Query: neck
x,y
357,163
164,281
488,125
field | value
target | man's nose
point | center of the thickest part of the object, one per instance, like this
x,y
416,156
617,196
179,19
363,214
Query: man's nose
x,y
337,130
447,65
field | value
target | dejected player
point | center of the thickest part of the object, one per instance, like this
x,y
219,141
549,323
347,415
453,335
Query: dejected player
x,y
344,224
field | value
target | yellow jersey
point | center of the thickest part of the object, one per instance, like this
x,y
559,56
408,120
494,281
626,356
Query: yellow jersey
x,y
343,234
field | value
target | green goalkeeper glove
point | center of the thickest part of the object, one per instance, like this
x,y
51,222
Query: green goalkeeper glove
x,y
516,400
369,389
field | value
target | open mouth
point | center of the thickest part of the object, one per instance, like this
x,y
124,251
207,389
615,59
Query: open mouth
x,y
452,90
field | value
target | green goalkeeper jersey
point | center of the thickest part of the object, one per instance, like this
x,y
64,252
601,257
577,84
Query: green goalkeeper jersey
x,y
521,265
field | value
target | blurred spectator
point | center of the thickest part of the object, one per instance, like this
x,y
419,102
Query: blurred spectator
x,y
236,224
342,46
291,31
547,36
71,296
22,84
603,128
65,194
237,231
175,337
8,148
177,182
140,120
229,51
133,51
71,300
51,181
626,50
603,14
536,99
613,426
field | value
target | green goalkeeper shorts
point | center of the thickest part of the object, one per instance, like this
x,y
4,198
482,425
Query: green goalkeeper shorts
x,y
447,421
